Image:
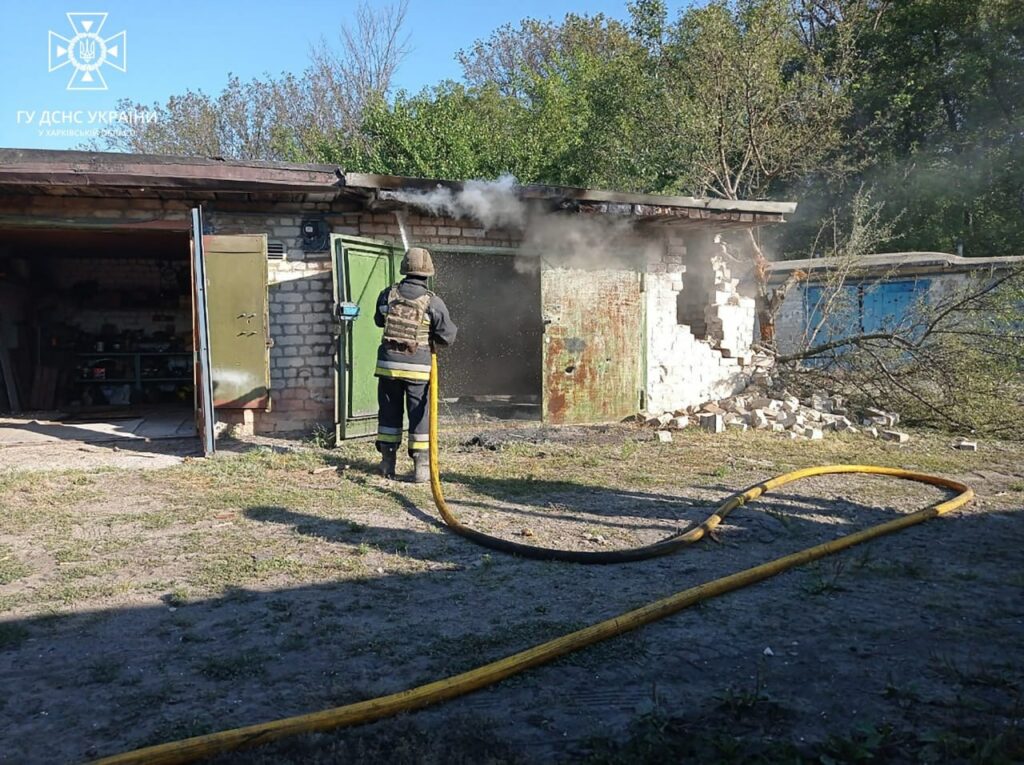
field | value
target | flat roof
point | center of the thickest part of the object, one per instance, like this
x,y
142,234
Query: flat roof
x,y
42,168
914,262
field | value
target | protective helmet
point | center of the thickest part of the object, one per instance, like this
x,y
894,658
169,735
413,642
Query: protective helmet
x,y
417,262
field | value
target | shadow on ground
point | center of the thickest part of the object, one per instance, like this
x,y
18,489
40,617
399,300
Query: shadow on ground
x,y
849,642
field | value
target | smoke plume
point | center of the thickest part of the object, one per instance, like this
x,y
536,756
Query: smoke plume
x,y
492,204
558,239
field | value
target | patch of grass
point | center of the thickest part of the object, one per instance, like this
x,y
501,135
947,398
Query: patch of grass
x,y
740,701
234,568
949,668
76,593
244,665
85,570
11,569
362,549
104,671
904,696
177,597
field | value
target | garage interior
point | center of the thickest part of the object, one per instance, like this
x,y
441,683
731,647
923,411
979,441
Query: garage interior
x,y
95,333
495,366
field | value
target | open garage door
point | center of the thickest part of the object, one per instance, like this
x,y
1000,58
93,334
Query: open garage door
x,y
230,325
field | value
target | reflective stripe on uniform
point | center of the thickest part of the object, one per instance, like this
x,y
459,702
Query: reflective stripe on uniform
x,y
418,445
402,374
404,365
419,437
389,438
388,430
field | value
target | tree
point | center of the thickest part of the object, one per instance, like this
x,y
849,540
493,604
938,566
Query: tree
x,y
935,124
567,104
281,117
756,107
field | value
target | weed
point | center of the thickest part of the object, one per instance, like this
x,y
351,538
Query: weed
x,y
825,576
904,696
738,701
177,597
863,745
322,437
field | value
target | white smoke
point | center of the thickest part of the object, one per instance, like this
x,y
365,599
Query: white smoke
x,y
493,204
559,239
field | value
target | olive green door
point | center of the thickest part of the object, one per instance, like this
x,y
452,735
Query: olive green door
x,y
236,285
362,269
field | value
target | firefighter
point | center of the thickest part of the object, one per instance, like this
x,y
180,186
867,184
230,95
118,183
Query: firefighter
x,y
414,320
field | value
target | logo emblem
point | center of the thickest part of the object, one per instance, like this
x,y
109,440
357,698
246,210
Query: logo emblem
x,y
87,51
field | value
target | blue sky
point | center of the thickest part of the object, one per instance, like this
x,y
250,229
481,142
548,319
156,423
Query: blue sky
x,y
176,45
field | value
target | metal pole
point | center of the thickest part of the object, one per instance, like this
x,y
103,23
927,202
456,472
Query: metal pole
x,y
202,350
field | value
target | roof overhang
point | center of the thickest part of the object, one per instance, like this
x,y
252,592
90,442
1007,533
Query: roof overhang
x,y
895,263
34,171
392,183
31,167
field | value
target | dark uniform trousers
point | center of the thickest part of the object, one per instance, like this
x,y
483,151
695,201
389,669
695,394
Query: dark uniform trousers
x,y
403,378
394,397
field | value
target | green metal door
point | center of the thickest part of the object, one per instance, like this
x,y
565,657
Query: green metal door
x,y
362,268
236,284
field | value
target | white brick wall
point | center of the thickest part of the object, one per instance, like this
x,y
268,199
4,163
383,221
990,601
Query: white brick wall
x,y
682,369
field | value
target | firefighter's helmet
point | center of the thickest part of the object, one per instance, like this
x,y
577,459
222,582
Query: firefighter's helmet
x,y
417,262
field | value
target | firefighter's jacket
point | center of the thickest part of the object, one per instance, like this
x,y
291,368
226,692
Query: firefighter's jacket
x,y
438,323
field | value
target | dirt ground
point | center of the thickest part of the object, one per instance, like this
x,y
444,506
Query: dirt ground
x,y
140,606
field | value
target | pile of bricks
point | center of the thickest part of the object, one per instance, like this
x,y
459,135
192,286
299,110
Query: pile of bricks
x,y
808,419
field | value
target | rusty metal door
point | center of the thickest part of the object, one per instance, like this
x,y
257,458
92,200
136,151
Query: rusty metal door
x,y
593,344
201,338
236,282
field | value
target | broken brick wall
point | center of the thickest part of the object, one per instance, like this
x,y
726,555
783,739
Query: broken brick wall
x,y
699,327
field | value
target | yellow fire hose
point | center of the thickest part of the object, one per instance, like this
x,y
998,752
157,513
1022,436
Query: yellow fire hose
x,y
199,747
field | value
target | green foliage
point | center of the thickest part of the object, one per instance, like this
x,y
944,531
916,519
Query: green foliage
x,y
724,101
936,124
921,100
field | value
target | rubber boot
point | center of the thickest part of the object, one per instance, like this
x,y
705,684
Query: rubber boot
x,y
421,467
388,455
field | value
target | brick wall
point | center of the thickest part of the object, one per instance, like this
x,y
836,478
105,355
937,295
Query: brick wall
x,y
684,368
300,298
300,293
